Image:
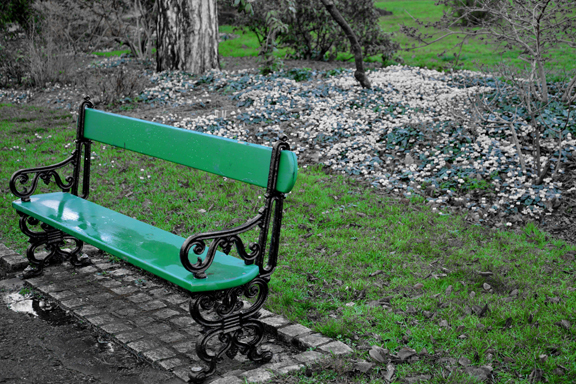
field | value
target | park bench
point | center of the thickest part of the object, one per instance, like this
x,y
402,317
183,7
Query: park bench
x,y
214,279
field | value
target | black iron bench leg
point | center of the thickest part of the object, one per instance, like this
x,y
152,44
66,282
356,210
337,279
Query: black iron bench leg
x,y
53,240
229,328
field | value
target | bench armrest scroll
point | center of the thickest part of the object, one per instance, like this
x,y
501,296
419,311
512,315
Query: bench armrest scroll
x,y
20,178
225,239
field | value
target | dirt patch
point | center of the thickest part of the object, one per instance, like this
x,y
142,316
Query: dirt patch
x,y
34,351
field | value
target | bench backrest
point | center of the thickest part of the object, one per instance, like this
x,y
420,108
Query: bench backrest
x,y
246,162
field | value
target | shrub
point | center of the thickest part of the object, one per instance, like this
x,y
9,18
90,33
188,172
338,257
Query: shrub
x,y
13,63
469,12
129,22
313,34
15,11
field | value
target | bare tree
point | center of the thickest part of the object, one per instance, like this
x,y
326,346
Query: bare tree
x,y
187,35
129,22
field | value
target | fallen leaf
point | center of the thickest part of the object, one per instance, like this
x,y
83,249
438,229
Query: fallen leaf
x,y
560,370
405,353
509,299
480,373
485,274
448,290
514,293
363,366
564,324
443,323
543,358
418,379
535,376
484,310
376,273
201,211
464,361
389,372
379,354
418,285
569,256
507,359
486,286
411,310
472,294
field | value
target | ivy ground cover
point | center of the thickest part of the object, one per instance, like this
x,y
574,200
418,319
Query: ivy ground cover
x,y
411,135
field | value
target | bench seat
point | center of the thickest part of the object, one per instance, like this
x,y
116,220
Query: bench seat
x,y
141,244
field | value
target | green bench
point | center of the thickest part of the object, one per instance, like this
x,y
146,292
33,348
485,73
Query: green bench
x,y
214,279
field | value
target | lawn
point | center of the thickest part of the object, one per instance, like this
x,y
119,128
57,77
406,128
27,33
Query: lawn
x,y
441,55
356,264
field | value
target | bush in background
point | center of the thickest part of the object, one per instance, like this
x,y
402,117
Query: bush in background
x,y
311,32
470,12
15,11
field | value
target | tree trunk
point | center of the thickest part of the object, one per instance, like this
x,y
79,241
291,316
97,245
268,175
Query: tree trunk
x,y
187,33
360,74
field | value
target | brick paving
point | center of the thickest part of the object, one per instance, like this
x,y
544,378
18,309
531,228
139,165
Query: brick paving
x,y
150,318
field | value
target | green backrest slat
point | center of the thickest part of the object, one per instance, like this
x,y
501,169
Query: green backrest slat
x,y
246,162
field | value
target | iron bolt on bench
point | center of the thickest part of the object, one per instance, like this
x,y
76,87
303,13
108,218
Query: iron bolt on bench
x,y
214,279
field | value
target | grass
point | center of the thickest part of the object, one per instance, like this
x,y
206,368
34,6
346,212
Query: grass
x,y
440,55
474,52
355,265
119,52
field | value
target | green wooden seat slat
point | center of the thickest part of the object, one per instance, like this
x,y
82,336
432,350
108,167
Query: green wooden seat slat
x,y
142,245
240,161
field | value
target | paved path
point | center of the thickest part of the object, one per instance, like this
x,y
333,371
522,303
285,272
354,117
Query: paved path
x,y
150,318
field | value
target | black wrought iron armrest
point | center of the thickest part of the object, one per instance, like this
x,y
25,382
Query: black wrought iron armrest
x,y
70,183
269,218
22,176
225,239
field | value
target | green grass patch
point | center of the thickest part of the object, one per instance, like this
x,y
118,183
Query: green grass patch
x,y
355,265
474,52
246,44
119,52
440,56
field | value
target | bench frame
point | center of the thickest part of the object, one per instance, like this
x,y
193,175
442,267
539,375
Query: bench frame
x,y
228,321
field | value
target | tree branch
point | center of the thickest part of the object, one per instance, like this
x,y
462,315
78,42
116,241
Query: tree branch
x,y
360,74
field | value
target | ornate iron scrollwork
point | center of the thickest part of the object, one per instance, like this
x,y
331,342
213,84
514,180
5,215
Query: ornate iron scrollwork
x,y
53,240
270,213
47,173
230,327
224,239
22,176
